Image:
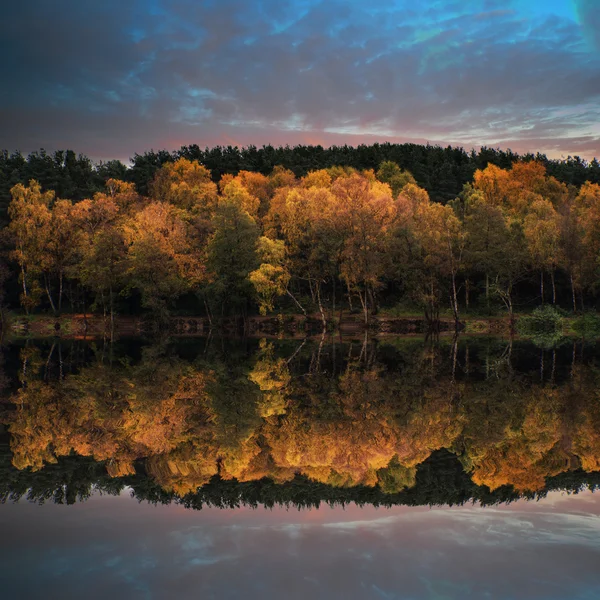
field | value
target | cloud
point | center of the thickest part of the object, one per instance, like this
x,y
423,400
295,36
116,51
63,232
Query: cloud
x,y
589,16
111,80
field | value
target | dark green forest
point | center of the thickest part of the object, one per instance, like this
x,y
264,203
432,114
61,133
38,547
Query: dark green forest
x,y
441,171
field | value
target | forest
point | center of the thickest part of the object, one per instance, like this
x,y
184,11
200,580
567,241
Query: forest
x,y
308,230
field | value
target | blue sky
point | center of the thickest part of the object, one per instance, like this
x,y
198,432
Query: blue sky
x,y
112,78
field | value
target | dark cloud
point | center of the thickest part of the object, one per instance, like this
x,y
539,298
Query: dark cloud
x,y
111,79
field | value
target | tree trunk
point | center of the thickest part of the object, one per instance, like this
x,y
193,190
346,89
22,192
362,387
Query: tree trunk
x,y
349,297
542,285
365,306
60,291
553,286
294,299
208,313
47,286
24,278
333,299
312,292
573,294
323,318
112,313
455,301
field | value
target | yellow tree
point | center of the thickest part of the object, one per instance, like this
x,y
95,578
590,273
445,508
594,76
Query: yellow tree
x,y
365,210
587,209
102,248
30,218
257,185
542,232
308,223
441,235
185,184
236,192
163,261
272,277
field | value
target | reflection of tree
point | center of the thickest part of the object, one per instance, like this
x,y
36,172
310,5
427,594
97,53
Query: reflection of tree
x,y
272,375
116,414
339,421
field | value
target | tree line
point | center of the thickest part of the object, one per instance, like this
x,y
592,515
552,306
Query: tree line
x,y
333,239
441,171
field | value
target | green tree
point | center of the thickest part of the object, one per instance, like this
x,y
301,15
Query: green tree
x,y
389,172
231,256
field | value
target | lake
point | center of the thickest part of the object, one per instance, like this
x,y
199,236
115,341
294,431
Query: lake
x,y
400,467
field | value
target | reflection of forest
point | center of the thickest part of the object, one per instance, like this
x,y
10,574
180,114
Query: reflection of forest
x,y
363,417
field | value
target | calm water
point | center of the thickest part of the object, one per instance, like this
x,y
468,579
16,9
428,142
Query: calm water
x,y
281,469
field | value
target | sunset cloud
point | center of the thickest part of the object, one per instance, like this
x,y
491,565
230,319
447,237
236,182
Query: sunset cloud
x,y
110,79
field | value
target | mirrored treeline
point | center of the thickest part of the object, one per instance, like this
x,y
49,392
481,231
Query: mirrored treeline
x,y
224,422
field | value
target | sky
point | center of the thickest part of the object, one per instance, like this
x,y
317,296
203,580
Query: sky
x,y
115,547
112,78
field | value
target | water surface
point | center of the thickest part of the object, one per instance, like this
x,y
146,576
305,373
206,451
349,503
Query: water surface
x,y
281,469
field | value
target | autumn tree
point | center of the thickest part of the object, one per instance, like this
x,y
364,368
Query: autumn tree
x,y
30,214
272,277
365,210
187,185
542,232
587,209
162,261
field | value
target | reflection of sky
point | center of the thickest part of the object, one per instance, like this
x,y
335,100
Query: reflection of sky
x,y
116,548
110,78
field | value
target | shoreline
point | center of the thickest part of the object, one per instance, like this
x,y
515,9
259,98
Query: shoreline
x,y
79,326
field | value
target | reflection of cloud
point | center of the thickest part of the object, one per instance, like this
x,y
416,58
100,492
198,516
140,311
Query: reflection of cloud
x,y
196,547
371,523
495,527
209,72
117,548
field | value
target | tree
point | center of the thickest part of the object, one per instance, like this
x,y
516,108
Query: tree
x,y
163,263
231,256
365,210
441,236
309,225
587,209
30,216
187,185
271,279
485,231
389,172
542,232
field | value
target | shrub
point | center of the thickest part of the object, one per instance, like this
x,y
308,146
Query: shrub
x,y
587,325
544,327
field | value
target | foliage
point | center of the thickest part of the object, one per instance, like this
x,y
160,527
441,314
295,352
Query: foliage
x,y
586,325
545,326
